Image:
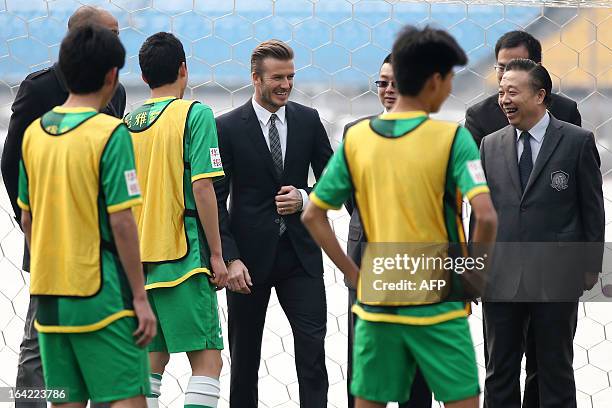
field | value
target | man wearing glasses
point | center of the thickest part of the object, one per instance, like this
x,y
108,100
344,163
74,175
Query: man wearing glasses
x,y
39,93
487,117
420,396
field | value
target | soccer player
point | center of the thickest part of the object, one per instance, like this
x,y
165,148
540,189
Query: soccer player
x,y
177,157
409,174
77,186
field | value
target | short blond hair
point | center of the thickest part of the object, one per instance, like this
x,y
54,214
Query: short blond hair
x,y
270,49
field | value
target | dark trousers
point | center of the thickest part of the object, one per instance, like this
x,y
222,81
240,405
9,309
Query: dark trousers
x,y
552,327
302,298
420,395
531,397
30,370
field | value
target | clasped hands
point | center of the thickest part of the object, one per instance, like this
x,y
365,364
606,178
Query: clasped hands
x,y
288,201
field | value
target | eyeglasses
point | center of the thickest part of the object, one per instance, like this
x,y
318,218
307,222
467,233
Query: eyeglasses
x,y
499,67
384,84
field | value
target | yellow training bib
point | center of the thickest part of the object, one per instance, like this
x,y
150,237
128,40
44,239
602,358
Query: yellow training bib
x,y
64,185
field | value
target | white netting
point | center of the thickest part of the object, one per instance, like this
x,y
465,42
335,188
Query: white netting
x,y
339,46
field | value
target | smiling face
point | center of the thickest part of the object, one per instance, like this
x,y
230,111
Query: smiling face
x,y
522,104
387,95
273,83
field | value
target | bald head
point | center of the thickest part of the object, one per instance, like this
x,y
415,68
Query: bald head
x,y
86,15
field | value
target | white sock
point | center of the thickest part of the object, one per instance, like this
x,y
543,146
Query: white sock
x,y
203,391
153,397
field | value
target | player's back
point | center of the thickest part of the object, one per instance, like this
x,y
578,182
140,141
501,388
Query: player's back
x,y
402,168
76,162
158,128
61,157
410,174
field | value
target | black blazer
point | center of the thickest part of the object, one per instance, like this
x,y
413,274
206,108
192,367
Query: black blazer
x,y
568,210
39,92
249,230
486,116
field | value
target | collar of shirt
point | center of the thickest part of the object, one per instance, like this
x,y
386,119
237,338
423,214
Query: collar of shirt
x,y
159,99
83,109
263,115
538,131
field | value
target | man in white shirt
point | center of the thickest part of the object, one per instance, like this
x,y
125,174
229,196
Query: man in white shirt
x,y
267,146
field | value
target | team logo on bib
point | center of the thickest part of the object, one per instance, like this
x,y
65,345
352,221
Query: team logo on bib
x,y
476,171
559,180
131,180
215,158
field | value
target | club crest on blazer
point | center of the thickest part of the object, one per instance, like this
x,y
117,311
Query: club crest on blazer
x,y
559,180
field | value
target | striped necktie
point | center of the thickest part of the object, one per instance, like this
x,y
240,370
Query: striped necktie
x,y
277,157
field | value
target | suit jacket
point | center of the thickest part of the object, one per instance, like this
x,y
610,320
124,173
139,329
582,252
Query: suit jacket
x,y
487,117
562,202
39,92
356,236
249,230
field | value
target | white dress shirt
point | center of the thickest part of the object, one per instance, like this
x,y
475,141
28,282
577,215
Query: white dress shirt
x,y
263,116
537,137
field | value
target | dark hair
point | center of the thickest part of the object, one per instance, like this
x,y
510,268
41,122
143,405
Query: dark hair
x,y
513,39
160,58
387,59
418,54
539,77
86,55
270,49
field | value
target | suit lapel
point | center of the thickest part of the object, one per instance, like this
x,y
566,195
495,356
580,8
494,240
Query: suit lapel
x,y
551,140
257,138
509,147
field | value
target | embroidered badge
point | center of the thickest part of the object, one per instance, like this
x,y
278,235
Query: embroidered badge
x,y
558,180
131,180
215,158
476,171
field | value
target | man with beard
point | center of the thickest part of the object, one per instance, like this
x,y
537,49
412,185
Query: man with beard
x,y
267,146
420,396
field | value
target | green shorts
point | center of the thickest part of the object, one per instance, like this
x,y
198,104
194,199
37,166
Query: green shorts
x,y
187,316
385,357
82,363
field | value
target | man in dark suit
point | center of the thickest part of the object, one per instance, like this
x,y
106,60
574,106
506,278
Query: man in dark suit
x,y
420,395
546,187
39,93
267,146
487,117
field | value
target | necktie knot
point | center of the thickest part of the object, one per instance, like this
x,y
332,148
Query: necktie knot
x,y
273,118
525,136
